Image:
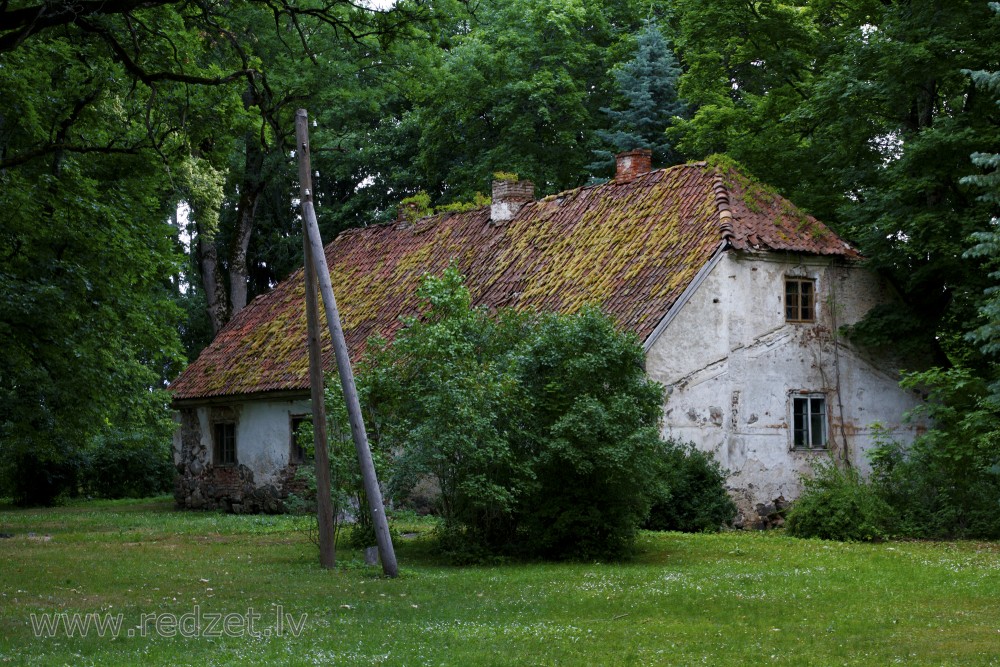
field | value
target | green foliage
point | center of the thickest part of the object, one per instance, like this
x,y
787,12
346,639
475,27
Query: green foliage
x,y
347,494
860,113
987,242
416,207
479,200
648,86
965,415
539,429
696,499
123,464
443,397
517,89
87,314
837,504
592,428
945,485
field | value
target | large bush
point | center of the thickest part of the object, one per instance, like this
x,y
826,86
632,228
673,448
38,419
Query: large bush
x,y
540,430
444,399
118,462
122,464
591,433
697,500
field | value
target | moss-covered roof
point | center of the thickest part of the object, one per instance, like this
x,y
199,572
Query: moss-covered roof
x,y
632,248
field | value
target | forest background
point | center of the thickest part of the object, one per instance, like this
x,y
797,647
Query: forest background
x,y
879,117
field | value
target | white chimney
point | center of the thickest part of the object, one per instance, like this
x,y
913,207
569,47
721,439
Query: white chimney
x,y
508,198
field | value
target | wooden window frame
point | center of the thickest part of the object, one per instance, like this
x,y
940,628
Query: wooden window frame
x,y
800,303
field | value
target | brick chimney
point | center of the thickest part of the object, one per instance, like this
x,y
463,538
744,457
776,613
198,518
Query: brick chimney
x,y
407,213
508,198
632,163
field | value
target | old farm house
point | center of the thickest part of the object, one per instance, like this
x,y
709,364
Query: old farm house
x,y
735,295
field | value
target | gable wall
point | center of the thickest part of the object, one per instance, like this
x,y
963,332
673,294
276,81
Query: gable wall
x,y
730,363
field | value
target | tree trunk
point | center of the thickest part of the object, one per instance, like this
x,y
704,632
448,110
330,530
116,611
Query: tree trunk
x,y
211,279
250,190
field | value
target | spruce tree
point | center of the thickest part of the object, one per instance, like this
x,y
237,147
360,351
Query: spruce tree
x,y
987,246
648,86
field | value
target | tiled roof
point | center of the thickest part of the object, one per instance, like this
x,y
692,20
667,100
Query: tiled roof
x,y
630,248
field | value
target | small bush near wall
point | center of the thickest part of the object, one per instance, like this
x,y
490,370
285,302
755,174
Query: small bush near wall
x,y
946,485
697,500
836,504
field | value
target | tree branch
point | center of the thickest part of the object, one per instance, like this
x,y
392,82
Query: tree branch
x,y
17,25
150,78
48,149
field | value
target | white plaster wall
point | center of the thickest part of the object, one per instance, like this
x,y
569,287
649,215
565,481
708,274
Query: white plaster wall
x,y
263,434
730,363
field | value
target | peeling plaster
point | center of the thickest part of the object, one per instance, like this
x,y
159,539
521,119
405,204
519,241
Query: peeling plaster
x,y
730,342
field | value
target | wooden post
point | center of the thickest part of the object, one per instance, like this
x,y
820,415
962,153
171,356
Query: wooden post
x,y
324,503
322,273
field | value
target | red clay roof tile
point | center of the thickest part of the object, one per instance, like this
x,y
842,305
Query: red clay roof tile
x,y
631,248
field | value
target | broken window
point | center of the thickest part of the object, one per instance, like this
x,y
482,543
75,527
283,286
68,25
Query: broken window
x,y
298,452
809,421
225,443
800,299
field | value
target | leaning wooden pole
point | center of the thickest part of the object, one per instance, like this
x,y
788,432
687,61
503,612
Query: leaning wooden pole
x,y
324,502
322,273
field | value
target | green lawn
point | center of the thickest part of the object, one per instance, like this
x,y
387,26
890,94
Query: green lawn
x,y
731,599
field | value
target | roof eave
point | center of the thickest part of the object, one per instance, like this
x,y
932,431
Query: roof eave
x,y
228,399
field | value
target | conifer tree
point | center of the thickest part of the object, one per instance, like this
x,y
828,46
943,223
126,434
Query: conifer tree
x,y
648,85
987,246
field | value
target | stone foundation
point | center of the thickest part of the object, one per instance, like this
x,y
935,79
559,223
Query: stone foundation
x,y
758,516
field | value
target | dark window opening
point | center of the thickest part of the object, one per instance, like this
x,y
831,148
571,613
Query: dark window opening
x,y
299,453
225,443
809,422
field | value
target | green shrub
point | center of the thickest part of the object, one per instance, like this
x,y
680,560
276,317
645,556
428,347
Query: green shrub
x,y
539,430
116,463
591,427
696,500
837,504
934,495
33,478
947,483
127,465
443,399
347,495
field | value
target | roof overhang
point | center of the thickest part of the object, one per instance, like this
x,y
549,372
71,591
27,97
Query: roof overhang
x,y
199,401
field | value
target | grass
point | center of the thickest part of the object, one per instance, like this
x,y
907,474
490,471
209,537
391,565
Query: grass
x,y
729,599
